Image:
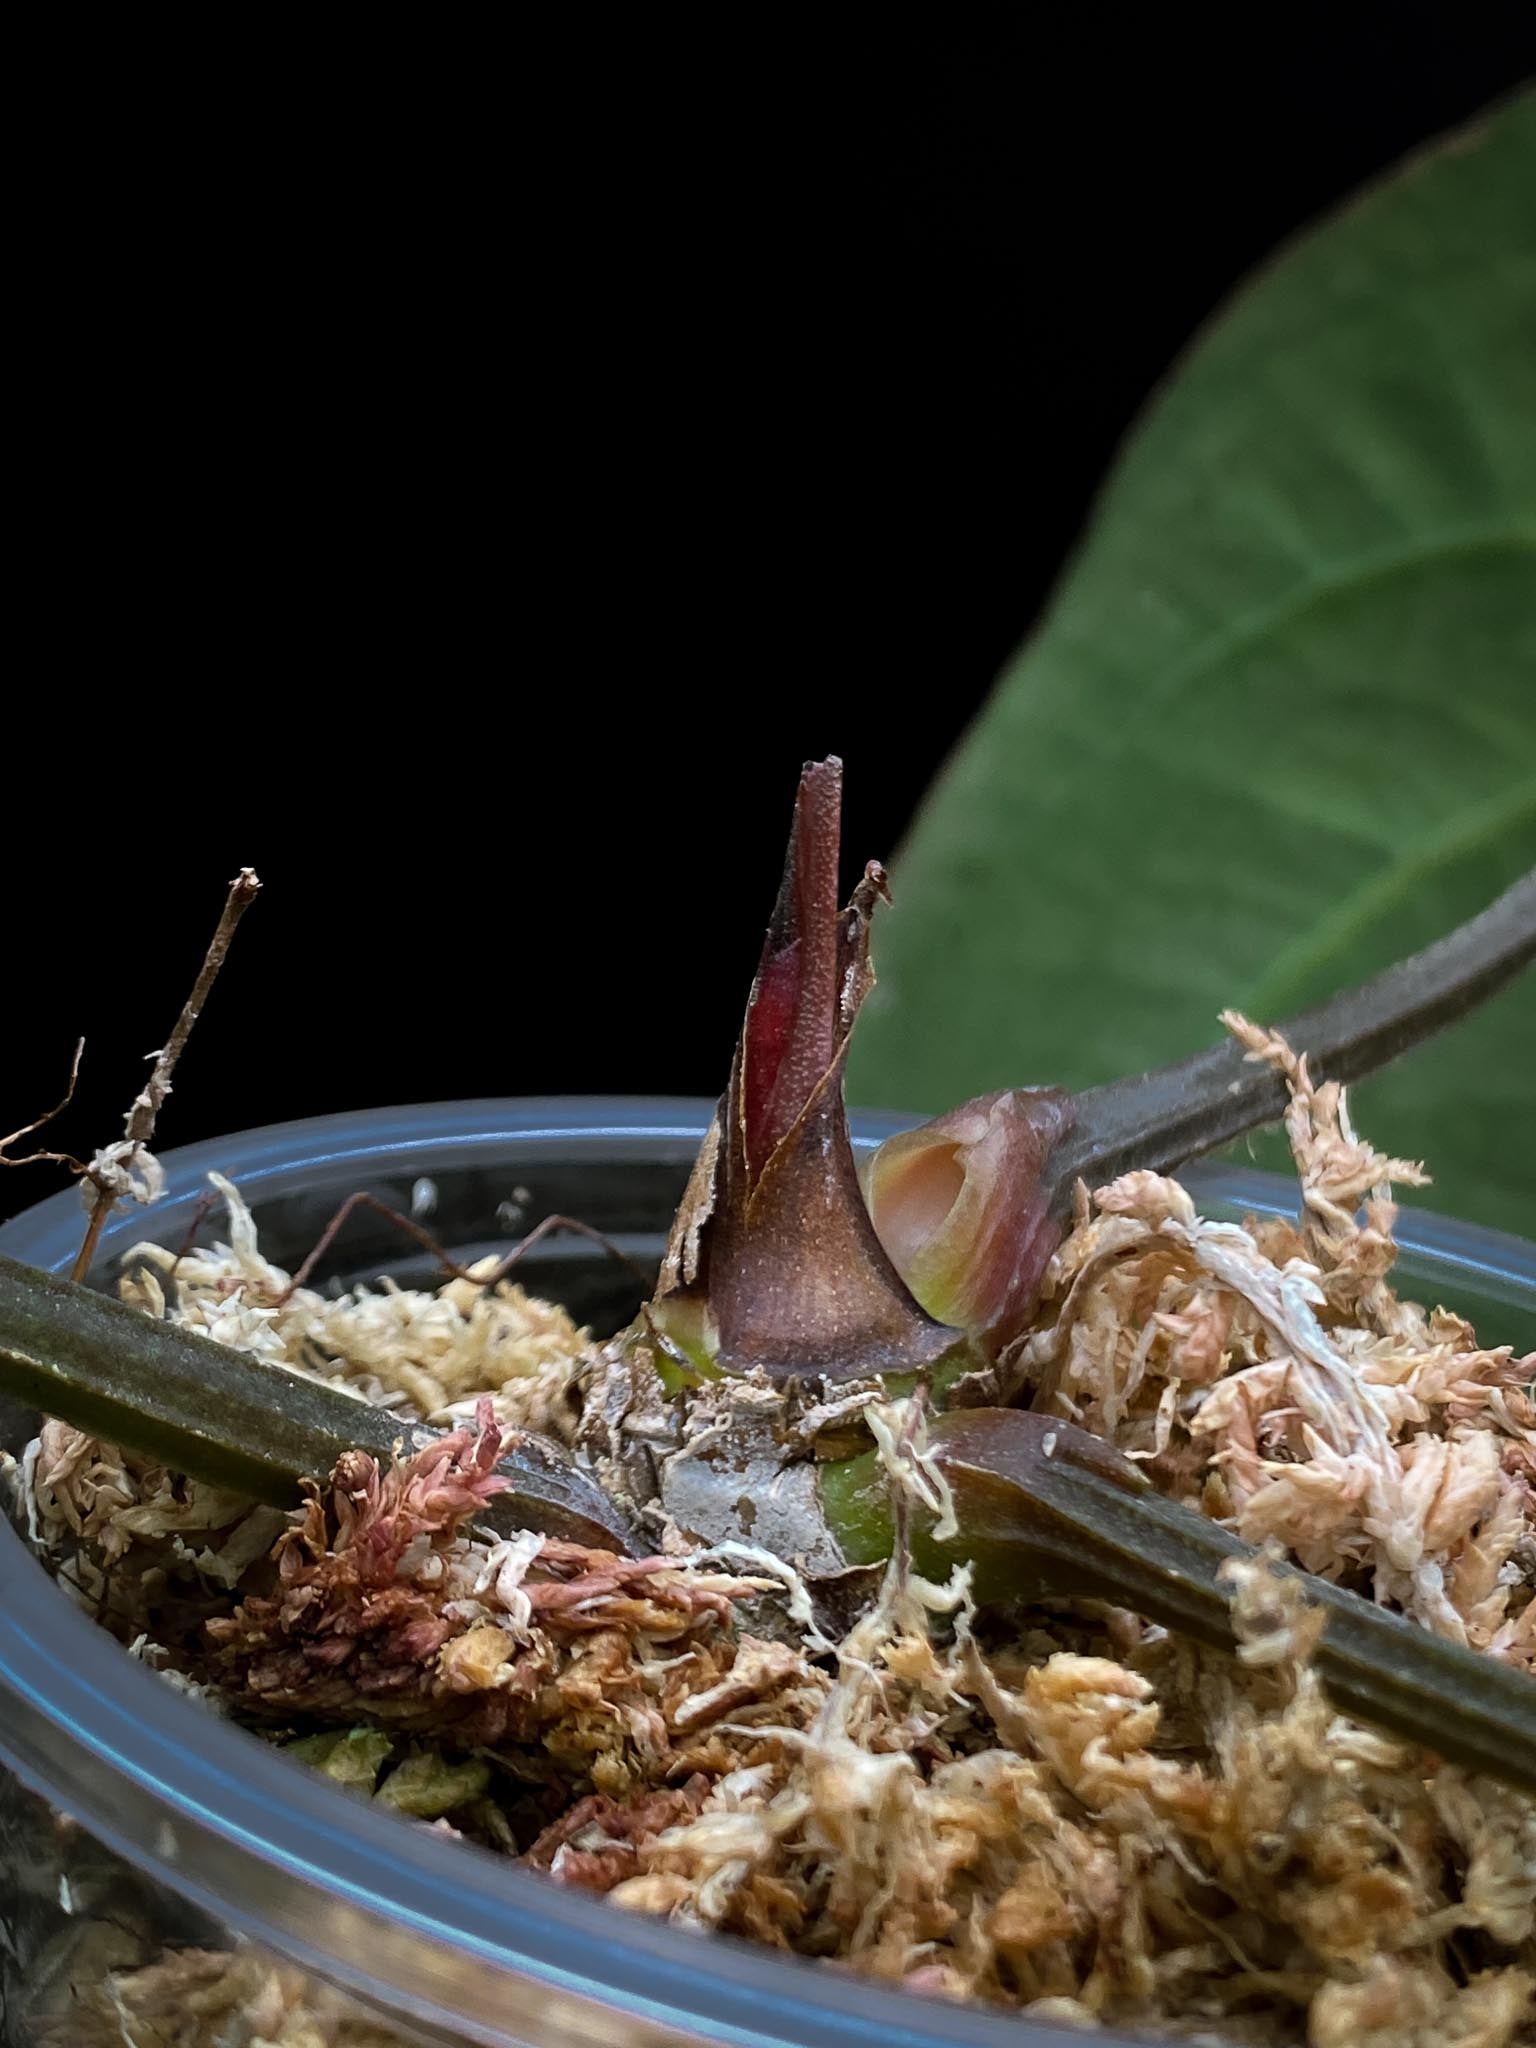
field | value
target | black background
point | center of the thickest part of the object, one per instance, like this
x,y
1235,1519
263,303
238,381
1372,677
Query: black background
x,y
472,481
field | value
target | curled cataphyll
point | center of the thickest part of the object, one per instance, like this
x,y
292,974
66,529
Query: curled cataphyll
x,y
988,1575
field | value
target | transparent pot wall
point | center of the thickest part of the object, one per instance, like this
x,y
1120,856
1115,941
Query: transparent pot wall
x,y
204,1890
94,1951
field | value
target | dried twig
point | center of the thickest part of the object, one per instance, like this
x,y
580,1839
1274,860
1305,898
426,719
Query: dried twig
x,y
139,1125
451,1266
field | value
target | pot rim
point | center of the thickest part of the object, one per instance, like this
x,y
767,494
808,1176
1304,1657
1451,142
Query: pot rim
x,y
271,1157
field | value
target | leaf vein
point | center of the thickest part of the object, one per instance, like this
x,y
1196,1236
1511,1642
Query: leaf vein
x,y
1460,832
1309,596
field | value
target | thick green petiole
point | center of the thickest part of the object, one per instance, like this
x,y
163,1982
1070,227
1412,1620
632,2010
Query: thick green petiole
x,y
234,1421
1159,1119
1044,1508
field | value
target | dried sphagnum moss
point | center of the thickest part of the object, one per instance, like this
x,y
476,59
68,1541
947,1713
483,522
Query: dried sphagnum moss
x,y
1273,1378
1069,1812
207,1998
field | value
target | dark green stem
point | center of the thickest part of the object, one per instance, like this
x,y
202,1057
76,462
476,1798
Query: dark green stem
x,y
1160,1119
235,1421
1046,1508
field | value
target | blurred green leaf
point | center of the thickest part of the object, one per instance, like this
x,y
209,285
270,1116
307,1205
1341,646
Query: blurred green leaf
x,y
352,1757
1279,725
428,1785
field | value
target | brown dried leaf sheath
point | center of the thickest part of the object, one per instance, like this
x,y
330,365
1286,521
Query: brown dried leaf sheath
x,y
773,1242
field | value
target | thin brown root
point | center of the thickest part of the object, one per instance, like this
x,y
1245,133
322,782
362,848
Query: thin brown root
x,y
50,1158
547,1229
450,1265
207,1202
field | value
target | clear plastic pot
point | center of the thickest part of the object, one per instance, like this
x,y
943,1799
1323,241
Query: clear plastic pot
x,y
206,1834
